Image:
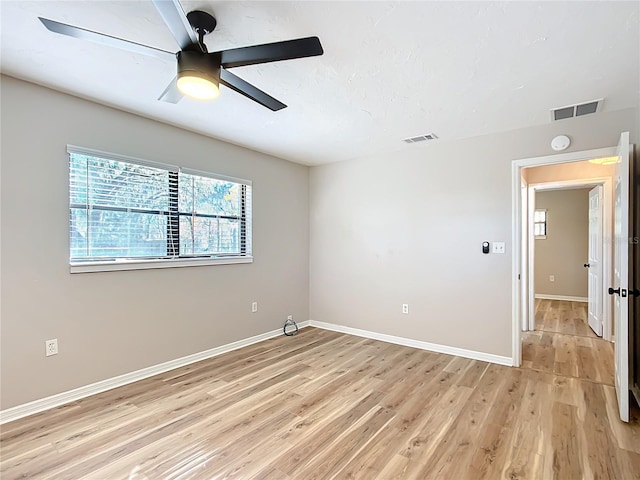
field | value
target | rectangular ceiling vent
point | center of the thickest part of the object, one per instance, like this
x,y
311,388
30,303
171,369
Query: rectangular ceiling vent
x,y
421,138
577,110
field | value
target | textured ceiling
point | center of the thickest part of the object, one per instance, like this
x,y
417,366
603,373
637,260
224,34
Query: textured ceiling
x,y
390,70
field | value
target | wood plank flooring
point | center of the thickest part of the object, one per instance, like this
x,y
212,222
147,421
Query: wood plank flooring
x,y
559,316
564,344
325,405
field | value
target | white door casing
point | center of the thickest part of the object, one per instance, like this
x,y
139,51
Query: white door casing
x,y
527,324
621,276
594,262
520,297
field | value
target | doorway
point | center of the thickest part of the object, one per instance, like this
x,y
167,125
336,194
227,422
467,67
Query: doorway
x,y
569,257
524,304
568,269
619,260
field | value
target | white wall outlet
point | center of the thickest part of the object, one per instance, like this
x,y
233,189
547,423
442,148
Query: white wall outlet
x,y
405,308
51,347
552,278
254,307
290,317
498,247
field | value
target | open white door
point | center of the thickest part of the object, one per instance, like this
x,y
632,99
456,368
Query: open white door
x,y
621,275
594,263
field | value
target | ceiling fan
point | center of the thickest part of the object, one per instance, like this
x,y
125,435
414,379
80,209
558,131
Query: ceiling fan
x,y
199,72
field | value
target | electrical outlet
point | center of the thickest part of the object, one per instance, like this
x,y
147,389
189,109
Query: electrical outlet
x,y
51,347
254,307
290,317
405,308
552,278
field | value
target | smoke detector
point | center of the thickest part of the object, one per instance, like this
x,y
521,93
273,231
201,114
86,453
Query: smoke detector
x,y
561,142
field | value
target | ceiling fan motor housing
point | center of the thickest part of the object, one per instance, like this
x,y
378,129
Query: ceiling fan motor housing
x,y
193,63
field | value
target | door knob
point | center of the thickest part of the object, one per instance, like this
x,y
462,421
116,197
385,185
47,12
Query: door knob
x,y
587,265
634,292
612,291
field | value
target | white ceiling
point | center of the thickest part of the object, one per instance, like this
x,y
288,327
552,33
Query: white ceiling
x,y
390,70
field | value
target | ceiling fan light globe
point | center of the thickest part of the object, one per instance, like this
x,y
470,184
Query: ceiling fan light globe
x,y
197,87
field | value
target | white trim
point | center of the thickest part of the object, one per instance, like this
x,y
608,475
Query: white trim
x,y
523,275
517,254
566,157
46,403
517,270
408,342
567,298
529,258
145,264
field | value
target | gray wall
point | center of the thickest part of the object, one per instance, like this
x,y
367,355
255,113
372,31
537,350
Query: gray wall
x,y
566,249
113,323
408,227
386,230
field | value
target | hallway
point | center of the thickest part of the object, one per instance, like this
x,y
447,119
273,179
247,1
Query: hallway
x,y
564,344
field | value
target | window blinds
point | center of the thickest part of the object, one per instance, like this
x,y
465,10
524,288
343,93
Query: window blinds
x,y
122,208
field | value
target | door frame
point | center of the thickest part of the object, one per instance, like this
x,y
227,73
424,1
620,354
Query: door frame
x,y
607,250
517,264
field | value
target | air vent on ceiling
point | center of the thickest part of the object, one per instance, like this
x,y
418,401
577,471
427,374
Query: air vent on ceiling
x,y
421,138
577,110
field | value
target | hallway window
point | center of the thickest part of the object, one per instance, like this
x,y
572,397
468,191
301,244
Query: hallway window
x,y
540,223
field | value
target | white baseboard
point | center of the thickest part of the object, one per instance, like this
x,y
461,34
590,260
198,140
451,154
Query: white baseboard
x,y
408,342
46,403
566,298
53,401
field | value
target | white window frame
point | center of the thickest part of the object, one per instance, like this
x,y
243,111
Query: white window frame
x,y
145,263
540,237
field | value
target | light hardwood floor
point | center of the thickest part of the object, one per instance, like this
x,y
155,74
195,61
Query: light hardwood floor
x,y
328,405
559,316
564,344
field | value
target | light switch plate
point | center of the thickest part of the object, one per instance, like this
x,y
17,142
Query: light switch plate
x,y
498,247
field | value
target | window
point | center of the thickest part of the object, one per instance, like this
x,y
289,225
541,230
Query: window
x,y
127,213
540,223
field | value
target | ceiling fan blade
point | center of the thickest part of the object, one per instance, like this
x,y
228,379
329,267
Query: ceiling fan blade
x,y
173,15
239,85
272,52
171,94
77,32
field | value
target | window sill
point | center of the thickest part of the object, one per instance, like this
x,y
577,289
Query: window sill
x,y
116,265
540,237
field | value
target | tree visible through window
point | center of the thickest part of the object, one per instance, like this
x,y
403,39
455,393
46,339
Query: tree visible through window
x,y
126,210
